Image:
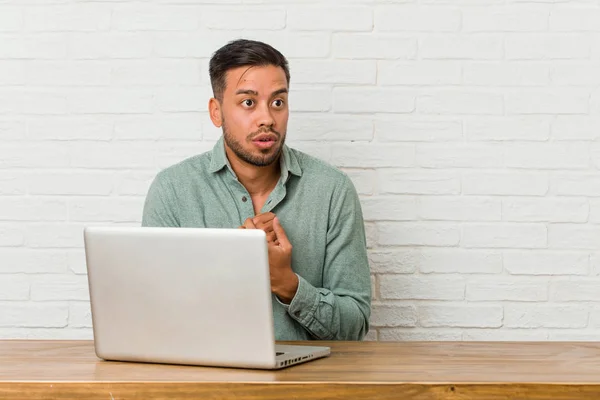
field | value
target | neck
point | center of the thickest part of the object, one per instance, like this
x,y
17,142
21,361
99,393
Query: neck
x,y
257,180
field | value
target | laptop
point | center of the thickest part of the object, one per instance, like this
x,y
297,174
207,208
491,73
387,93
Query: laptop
x,y
191,296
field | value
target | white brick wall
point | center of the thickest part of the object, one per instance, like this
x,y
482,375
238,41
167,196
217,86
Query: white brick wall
x,y
469,128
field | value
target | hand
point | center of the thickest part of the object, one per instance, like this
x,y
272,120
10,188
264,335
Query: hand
x,y
264,222
284,282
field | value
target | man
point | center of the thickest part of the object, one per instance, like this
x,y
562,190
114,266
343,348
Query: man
x,y
309,210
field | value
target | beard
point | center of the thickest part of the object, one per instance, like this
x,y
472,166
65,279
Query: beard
x,y
266,156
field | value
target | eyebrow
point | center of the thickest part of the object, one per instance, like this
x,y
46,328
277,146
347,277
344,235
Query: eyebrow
x,y
255,93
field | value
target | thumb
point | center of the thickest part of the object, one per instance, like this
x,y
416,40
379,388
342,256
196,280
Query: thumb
x,y
281,236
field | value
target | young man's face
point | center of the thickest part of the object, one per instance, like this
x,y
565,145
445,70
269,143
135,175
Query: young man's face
x,y
254,113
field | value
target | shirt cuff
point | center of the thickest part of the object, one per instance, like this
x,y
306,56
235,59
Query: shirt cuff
x,y
305,301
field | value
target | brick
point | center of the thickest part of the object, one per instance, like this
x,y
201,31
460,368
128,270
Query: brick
x,y
76,261
111,101
545,316
70,17
545,263
419,73
595,319
450,261
369,100
133,183
109,45
70,183
59,287
29,46
406,287
573,19
579,73
576,184
504,335
393,315
211,132
155,72
320,150
370,46
359,72
11,19
311,100
451,102
503,289
444,208
555,101
106,210
394,261
373,155
324,18
136,17
11,235
575,290
418,182
28,261
506,74
533,236
112,155
594,216
244,18
374,287
12,72
12,183
544,46
595,103
595,264
364,180
13,130
331,127
411,18
70,128
461,47
573,236
398,129
32,209
32,155
576,127
80,315
32,101
573,336
371,234
505,183
36,333
13,287
371,336
168,153
545,210
595,154
455,155
461,316
507,128
293,44
54,235
505,19
30,315
418,234
389,208
183,99
418,335
183,126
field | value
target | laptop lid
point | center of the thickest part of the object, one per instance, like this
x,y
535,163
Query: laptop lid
x,y
181,295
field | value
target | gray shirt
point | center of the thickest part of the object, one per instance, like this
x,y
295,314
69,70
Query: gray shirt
x,y
320,211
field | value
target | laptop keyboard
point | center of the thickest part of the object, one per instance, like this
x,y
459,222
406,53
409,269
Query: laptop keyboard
x,y
279,353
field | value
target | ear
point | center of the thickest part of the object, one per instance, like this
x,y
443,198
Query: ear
x,y
214,110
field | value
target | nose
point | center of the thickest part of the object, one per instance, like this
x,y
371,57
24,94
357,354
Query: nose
x,y
265,117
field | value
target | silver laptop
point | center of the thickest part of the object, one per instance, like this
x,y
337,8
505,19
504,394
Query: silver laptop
x,y
185,296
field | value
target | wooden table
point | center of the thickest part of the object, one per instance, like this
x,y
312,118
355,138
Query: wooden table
x,y
355,370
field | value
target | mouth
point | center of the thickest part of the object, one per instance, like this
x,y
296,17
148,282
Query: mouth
x,y
265,140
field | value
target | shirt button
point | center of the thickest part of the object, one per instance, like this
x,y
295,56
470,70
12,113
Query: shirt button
x,y
244,199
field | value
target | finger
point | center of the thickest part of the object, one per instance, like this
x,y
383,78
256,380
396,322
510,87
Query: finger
x,y
263,218
271,237
248,224
281,235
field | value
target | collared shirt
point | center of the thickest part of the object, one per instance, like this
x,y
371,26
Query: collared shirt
x,y
319,209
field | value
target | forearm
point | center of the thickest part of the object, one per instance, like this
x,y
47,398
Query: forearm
x,y
328,316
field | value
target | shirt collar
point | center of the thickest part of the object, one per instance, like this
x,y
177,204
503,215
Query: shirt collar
x,y
288,160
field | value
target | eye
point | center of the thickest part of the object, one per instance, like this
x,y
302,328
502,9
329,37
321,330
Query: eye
x,y
248,103
278,103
